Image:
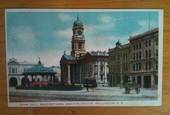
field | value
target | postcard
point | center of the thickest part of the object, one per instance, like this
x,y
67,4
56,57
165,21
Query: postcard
x,y
84,57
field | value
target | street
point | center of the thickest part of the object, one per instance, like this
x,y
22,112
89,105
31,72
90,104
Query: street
x,y
98,94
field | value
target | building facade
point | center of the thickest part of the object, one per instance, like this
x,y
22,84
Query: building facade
x,y
15,70
93,65
69,63
144,59
78,39
82,65
69,70
118,64
136,61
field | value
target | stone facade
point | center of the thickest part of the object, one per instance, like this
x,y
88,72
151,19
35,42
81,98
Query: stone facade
x,y
118,64
94,65
82,65
15,70
78,39
136,61
144,59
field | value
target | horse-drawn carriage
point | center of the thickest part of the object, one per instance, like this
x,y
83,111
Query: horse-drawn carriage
x,y
132,86
90,83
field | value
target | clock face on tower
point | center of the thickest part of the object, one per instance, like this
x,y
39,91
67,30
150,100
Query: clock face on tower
x,y
79,32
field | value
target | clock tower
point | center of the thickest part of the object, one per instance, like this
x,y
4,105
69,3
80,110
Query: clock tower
x,y
78,40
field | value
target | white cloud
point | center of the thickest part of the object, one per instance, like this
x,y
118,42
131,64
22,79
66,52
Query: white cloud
x,y
94,29
145,25
65,33
106,19
104,42
24,35
64,17
50,58
142,27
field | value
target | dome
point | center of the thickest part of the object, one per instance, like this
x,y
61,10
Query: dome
x,y
77,22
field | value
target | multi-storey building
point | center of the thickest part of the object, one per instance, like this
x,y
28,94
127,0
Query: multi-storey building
x,y
94,65
118,64
69,63
81,65
136,61
144,59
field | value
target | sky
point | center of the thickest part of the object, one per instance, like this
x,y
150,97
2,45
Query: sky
x,y
47,34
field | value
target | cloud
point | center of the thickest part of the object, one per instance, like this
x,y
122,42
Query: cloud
x,y
103,42
106,19
106,23
63,37
64,17
50,58
64,33
92,29
145,25
23,35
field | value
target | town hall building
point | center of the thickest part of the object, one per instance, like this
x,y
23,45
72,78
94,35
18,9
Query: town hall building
x,y
82,65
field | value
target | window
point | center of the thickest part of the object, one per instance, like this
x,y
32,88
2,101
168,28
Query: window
x,y
101,78
146,43
149,53
156,52
139,45
140,55
150,65
13,70
134,56
146,66
156,65
136,66
10,70
146,54
102,68
137,56
136,46
149,42
133,67
139,66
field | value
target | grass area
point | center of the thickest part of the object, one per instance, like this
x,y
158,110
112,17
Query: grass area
x,y
56,87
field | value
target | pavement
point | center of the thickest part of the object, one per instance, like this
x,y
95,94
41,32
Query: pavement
x,y
98,94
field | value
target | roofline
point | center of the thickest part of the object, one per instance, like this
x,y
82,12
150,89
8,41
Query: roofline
x,y
143,34
122,46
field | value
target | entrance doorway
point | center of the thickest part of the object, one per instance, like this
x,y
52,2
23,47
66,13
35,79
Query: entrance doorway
x,y
139,80
13,82
147,81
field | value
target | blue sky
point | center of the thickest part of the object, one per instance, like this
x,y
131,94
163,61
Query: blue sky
x,y
48,34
